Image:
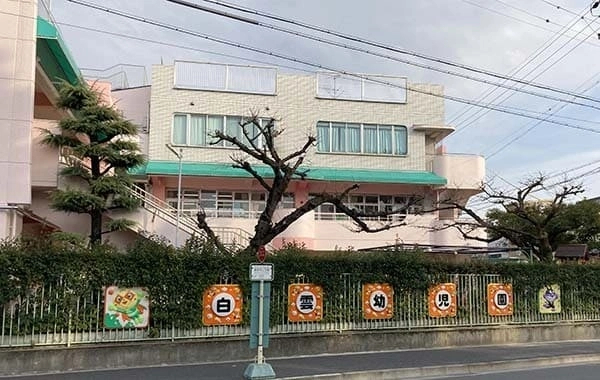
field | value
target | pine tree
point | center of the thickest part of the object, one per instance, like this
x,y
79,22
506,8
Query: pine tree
x,y
97,144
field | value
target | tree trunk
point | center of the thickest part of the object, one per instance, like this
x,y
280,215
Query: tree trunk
x,y
95,214
96,227
545,247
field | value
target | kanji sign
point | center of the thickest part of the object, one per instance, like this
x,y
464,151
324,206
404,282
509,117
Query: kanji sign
x,y
549,299
499,299
222,305
305,302
377,301
442,300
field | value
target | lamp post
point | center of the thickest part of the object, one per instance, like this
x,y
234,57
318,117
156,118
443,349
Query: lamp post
x,y
180,158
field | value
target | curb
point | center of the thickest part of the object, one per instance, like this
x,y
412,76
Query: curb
x,y
456,369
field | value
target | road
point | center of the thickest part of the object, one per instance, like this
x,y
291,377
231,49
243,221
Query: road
x,y
578,372
458,360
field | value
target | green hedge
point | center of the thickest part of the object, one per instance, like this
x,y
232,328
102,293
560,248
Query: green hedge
x,y
176,279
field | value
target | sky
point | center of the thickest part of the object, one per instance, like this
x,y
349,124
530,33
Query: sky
x,y
553,43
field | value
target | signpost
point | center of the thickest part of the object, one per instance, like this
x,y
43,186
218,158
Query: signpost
x,y
261,275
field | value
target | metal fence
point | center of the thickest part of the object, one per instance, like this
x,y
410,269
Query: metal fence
x,y
48,316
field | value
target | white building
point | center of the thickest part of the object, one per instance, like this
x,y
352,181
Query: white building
x,y
381,136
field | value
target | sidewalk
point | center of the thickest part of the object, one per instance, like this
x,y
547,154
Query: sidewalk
x,y
401,364
433,362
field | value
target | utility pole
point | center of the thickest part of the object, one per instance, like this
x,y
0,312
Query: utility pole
x,y
180,157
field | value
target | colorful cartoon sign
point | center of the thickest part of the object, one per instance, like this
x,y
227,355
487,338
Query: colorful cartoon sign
x,y
305,303
442,300
549,299
126,307
222,305
500,299
378,301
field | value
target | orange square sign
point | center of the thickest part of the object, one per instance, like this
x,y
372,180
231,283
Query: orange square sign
x,y
222,305
305,303
442,300
377,301
500,299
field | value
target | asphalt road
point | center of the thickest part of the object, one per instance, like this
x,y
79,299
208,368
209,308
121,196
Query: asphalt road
x,y
372,361
578,372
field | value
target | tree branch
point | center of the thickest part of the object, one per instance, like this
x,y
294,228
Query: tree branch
x,y
203,225
241,164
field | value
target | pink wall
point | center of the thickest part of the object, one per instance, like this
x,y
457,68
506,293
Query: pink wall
x,y
301,189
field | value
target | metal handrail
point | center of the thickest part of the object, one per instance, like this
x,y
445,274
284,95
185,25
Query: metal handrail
x,y
169,214
240,236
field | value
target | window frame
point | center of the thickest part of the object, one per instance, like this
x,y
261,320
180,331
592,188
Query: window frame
x,y
207,138
397,148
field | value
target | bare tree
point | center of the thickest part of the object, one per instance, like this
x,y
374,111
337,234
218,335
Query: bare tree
x,y
519,217
258,147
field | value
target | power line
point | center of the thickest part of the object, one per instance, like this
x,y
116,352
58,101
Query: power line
x,y
247,59
570,12
522,66
319,66
523,133
184,47
547,20
536,76
365,51
379,45
520,20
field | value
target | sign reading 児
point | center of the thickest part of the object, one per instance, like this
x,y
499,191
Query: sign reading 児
x,y
442,300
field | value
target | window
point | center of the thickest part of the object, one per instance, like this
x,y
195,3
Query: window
x,y
198,130
337,137
224,204
372,203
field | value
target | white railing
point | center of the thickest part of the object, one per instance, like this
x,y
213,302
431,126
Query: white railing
x,y
229,236
48,315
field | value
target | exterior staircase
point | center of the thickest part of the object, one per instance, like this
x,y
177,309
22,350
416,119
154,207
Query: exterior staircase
x,y
155,216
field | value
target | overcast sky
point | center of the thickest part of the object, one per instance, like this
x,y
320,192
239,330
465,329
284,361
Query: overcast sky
x,y
492,35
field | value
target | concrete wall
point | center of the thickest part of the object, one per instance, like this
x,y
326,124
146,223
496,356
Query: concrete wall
x,y
135,105
17,89
114,356
45,159
461,171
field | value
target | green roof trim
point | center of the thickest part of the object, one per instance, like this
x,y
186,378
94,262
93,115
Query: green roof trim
x,y
315,174
54,57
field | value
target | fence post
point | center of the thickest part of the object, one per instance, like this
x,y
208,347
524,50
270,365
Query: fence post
x,y
69,330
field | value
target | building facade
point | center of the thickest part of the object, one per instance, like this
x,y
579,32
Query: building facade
x,y
382,133
34,62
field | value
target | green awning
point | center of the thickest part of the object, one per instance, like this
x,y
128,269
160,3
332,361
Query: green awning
x,y
53,55
315,174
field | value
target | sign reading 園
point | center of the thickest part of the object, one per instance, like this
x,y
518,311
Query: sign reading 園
x,y
500,299
126,307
